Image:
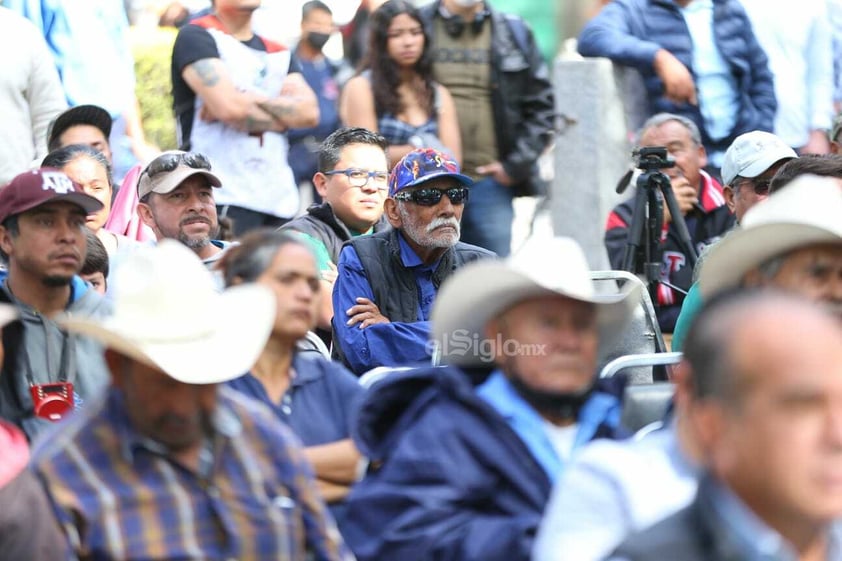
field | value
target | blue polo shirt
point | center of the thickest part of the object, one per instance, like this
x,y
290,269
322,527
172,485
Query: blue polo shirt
x,y
318,405
319,402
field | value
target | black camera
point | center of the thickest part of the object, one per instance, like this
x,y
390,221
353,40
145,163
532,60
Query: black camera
x,y
652,158
52,401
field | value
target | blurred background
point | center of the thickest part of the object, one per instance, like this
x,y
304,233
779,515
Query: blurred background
x,y
279,20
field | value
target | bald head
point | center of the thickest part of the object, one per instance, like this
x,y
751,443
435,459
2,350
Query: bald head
x,y
740,329
768,367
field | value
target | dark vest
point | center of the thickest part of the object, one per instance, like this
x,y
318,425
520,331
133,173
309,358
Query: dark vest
x,y
393,285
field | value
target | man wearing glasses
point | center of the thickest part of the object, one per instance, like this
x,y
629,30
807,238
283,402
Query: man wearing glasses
x,y
747,170
352,181
748,167
176,200
387,282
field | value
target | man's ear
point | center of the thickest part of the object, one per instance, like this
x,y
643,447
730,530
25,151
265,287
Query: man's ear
x,y
145,213
320,183
709,420
729,194
6,241
390,209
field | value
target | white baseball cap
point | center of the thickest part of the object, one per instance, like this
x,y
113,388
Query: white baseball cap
x,y
753,153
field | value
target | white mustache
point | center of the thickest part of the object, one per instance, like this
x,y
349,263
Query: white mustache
x,y
443,221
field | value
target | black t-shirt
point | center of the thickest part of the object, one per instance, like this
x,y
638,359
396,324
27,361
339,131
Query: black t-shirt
x,y
193,43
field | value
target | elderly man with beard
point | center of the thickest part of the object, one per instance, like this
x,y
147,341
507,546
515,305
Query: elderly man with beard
x,y
176,200
387,282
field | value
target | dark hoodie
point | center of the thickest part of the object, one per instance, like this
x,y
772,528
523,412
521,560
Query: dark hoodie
x,y
449,478
36,346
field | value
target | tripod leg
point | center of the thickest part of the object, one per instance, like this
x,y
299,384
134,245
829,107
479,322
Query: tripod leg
x,y
636,230
680,224
654,227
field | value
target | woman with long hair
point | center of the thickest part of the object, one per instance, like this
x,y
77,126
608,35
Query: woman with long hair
x,y
395,93
311,394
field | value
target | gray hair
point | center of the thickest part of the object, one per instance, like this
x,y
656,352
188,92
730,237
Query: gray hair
x,y
60,157
659,119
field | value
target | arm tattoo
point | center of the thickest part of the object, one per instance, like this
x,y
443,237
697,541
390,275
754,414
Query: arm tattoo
x,y
253,125
277,110
206,71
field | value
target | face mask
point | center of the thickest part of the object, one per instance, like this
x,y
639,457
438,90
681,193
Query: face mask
x,y
467,3
317,40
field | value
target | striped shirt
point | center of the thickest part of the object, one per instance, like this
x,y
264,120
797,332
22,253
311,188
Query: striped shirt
x,y
119,495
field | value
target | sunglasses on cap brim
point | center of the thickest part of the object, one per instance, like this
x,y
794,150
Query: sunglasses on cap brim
x,y
166,163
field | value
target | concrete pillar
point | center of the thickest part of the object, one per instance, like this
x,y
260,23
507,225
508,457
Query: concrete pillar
x,y
592,148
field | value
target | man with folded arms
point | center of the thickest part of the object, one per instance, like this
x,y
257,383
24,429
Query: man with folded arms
x,y
387,282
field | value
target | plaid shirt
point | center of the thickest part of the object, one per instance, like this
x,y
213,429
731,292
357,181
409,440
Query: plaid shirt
x,y
119,496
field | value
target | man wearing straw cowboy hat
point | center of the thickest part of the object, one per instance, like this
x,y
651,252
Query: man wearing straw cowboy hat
x,y
168,465
463,472
792,241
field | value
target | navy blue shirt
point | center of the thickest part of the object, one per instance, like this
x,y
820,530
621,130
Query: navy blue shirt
x,y
319,402
317,406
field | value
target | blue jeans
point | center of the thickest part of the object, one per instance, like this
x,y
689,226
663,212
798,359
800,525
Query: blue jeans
x,y
488,216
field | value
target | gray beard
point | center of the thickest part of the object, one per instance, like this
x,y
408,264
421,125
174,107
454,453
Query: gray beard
x,y
195,243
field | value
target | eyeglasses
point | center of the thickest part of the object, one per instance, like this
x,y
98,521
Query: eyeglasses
x,y
168,162
760,186
361,177
429,196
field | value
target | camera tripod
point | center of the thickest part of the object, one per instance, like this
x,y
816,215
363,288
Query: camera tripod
x,y
643,254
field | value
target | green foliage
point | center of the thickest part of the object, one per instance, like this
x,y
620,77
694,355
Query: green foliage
x,y
152,49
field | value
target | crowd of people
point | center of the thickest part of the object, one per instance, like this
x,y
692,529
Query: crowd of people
x,y
193,368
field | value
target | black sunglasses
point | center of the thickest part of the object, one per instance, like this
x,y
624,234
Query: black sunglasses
x,y
168,162
429,196
760,186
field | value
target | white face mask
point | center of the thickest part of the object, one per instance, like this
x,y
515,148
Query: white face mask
x,y
467,3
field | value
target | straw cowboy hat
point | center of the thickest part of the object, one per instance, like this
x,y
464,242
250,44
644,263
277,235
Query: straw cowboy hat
x,y
168,314
806,212
480,291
